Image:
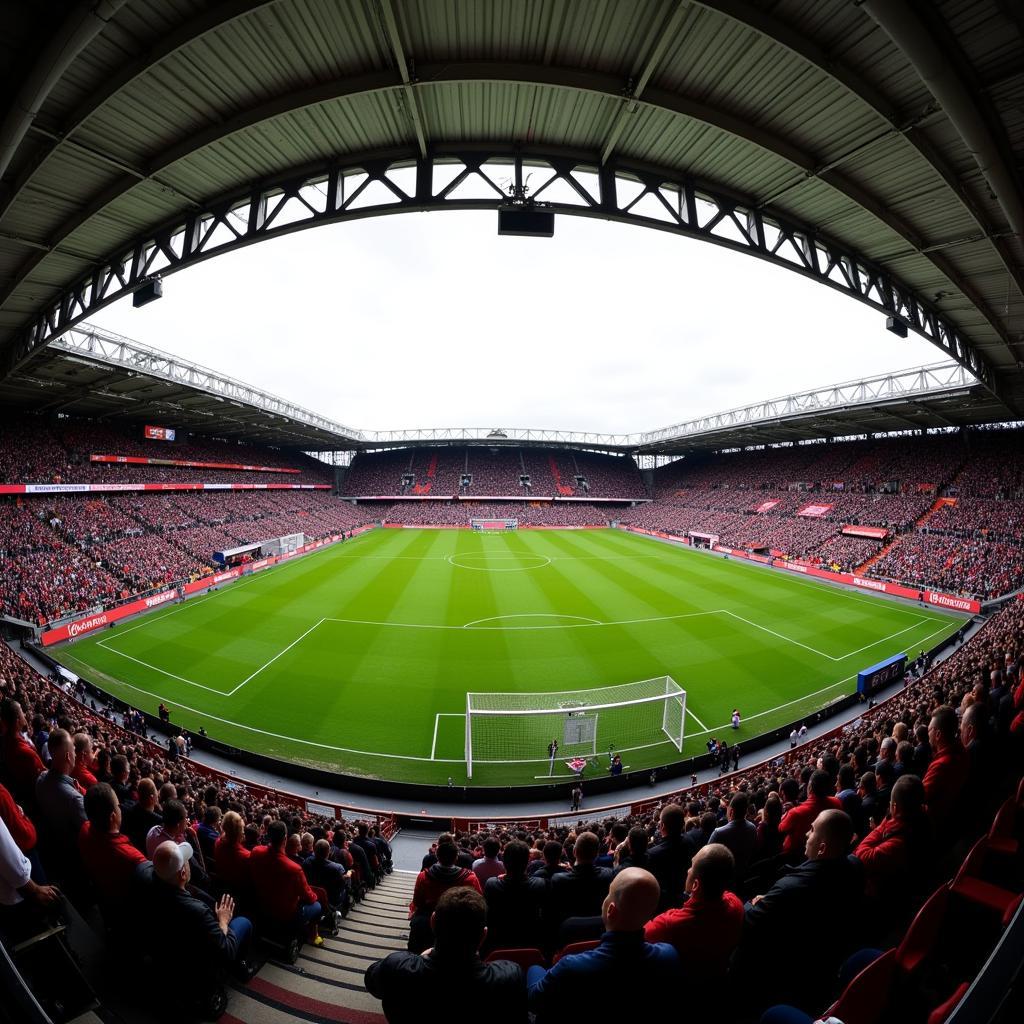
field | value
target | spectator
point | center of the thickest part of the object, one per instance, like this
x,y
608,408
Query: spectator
x,y
142,815
20,897
418,988
489,865
895,854
515,901
623,965
800,912
61,810
707,929
739,836
948,770
796,823
21,765
108,857
328,875
580,892
187,924
669,859
83,773
430,884
232,859
282,891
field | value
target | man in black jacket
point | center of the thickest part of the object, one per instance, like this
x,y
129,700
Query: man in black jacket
x,y
578,894
669,860
419,987
514,902
814,909
183,922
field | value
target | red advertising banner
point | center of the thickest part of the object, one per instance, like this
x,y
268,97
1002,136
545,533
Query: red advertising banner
x,y
874,532
934,597
765,506
92,622
816,510
108,488
138,460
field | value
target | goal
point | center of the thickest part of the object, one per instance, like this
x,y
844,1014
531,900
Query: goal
x,y
518,727
494,524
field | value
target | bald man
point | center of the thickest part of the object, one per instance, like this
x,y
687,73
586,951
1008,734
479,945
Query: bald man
x,y
813,910
623,968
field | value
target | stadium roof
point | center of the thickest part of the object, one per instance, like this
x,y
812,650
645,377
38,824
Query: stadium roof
x,y
874,146
91,372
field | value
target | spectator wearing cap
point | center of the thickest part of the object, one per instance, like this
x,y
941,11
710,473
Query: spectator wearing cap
x,y
418,988
796,823
282,890
442,875
623,965
707,928
187,922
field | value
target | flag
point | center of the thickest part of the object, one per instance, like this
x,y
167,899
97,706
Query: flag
x,y
577,764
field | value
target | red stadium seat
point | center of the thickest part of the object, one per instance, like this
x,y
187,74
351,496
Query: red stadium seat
x,y
575,947
866,997
526,958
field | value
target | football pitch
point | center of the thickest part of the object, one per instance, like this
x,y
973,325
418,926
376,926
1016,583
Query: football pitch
x,y
358,658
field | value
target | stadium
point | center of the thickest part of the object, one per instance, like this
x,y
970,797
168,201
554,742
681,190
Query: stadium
x,y
305,721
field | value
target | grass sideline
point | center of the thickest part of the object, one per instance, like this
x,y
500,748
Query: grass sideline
x,y
358,658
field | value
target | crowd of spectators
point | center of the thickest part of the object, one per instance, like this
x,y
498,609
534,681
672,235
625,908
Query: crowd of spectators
x,y
69,553
103,817
497,472
459,513
845,552
41,450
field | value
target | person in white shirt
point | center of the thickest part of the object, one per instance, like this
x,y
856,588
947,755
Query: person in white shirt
x,y
16,885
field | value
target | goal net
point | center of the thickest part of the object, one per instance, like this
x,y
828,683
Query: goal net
x,y
494,524
518,727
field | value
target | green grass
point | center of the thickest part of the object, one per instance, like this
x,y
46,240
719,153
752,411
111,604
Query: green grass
x,y
359,658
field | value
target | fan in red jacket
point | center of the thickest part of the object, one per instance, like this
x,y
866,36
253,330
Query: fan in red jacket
x,y
23,832
281,887
231,858
708,926
108,856
21,765
797,821
947,772
893,851
442,875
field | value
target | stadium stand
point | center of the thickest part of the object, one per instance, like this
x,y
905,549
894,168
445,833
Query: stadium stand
x,y
495,472
946,852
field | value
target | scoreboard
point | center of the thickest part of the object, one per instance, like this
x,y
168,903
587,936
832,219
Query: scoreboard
x,y
159,433
870,680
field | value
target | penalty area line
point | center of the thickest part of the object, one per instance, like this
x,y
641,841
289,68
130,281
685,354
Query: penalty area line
x,y
437,722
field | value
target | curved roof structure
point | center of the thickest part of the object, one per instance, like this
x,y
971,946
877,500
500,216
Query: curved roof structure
x,y
875,146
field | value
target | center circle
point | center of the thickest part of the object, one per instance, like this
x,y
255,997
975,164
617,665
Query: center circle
x,y
539,561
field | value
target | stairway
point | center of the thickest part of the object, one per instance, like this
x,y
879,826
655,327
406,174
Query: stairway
x,y
862,569
937,504
327,983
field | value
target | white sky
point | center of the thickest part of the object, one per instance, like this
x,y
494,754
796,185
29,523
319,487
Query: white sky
x,y
425,320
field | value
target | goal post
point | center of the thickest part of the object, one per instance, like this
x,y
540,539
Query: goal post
x,y
499,525
504,728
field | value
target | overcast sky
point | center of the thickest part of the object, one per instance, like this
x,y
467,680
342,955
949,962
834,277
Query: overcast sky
x,y
425,320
